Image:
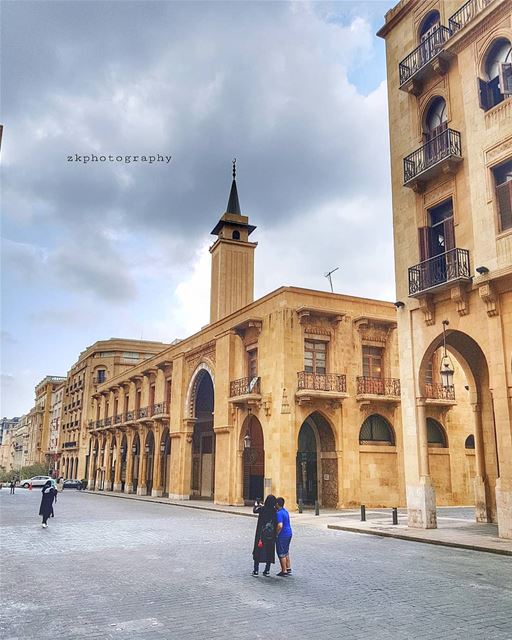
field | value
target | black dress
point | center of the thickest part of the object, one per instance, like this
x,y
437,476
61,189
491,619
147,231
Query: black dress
x,y
267,553
46,507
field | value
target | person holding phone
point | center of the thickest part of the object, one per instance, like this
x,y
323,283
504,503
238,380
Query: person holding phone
x,y
265,535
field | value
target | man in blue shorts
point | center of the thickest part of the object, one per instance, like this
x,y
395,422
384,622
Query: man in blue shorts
x,y
284,537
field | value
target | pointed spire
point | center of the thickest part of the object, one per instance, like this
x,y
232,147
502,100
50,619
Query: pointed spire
x,y
233,203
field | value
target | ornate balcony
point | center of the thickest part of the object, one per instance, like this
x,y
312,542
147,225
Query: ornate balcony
x,y
321,386
245,391
142,413
159,409
466,14
91,424
118,419
100,424
437,394
387,389
108,422
442,154
439,271
129,416
73,444
427,60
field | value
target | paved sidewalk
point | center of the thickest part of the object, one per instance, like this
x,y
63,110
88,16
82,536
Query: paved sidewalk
x,y
456,526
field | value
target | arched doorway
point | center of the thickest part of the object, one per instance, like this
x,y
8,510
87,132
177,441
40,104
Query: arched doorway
x,y
253,459
466,353
136,460
114,452
149,451
165,453
316,463
121,459
203,437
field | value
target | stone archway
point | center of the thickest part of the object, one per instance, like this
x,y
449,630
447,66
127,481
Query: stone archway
x,y
316,462
253,460
165,457
135,467
121,460
469,355
201,405
149,452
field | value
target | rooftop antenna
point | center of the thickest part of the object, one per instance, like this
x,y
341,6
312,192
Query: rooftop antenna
x,y
328,275
234,168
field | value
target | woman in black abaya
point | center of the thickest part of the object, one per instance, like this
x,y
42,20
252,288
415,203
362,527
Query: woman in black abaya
x,y
46,508
264,549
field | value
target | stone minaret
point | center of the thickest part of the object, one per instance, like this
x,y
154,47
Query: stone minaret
x,y
232,260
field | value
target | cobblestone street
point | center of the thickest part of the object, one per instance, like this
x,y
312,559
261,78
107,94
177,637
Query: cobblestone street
x,y
113,568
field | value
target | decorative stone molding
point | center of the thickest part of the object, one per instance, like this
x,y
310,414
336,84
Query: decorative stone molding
x,y
251,323
316,331
488,295
459,296
266,403
313,316
374,330
285,405
206,351
428,308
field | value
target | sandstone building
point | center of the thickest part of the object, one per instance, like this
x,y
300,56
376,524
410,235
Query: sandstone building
x,y
297,393
449,67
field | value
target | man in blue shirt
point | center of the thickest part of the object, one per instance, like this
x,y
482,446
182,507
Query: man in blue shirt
x,y
284,537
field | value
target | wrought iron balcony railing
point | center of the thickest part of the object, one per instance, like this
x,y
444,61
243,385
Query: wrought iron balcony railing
x,y
378,386
423,54
443,146
244,386
108,421
143,412
321,381
444,268
466,14
70,445
437,391
100,423
118,419
91,424
159,408
130,416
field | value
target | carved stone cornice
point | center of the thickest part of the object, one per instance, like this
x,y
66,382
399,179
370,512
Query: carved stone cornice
x,y
205,351
429,310
307,314
374,329
459,295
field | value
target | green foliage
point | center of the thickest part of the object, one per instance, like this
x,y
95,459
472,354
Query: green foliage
x,y
39,469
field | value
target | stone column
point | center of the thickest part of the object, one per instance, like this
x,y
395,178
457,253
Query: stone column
x,y
119,465
421,498
141,484
157,489
339,461
91,470
239,490
128,485
479,481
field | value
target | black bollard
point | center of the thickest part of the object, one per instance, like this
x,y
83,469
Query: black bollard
x,y
317,508
363,513
395,515
301,505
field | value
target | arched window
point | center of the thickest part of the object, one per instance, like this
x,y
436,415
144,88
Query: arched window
x,y
470,442
429,24
236,235
376,430
497,83
436,117
436,436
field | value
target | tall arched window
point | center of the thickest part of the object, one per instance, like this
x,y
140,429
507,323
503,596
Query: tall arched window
x,y
436,436
436,117
497,82
429,24
376,430
470,442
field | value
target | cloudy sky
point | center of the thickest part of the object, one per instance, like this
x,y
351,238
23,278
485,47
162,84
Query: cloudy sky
x,y
295,90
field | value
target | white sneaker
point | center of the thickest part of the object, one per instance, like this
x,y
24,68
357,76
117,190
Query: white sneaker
x,y
45,526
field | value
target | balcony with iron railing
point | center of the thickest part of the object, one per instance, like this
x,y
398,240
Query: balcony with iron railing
x,y
159,409
437,393
466,14
439,271
245,391
442,154
316,386
385,388
108,421
129,416
118,419
427,60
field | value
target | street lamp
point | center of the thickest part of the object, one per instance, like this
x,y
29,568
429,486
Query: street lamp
x,y
134,449
247,440
162,447
446,363
146,448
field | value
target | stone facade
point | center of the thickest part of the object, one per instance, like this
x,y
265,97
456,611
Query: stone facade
x,y
450,116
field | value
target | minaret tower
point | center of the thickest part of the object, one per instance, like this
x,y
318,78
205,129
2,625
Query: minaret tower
x,y
232,260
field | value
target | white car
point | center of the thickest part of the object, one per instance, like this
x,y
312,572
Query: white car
x,y
36,481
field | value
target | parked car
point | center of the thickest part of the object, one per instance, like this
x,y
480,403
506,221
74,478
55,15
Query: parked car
x,y
72,484
36,481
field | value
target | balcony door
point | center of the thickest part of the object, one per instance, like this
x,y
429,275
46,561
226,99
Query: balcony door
x,y
434,128
436,244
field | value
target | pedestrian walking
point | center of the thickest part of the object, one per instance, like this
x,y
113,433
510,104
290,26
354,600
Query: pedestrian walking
x,y
13,485
265,536
284,537
46,508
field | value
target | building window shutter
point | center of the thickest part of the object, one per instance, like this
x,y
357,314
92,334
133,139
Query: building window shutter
x,y
505,75
504,197
484,95
424,243
449,234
